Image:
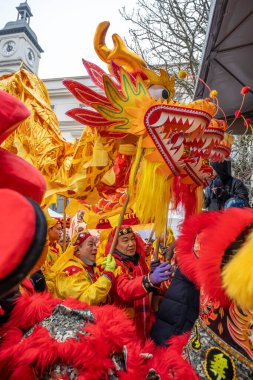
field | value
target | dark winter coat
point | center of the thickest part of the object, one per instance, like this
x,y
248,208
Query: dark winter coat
x,y
178,310
227,187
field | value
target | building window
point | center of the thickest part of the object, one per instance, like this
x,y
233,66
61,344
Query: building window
x,y
59,207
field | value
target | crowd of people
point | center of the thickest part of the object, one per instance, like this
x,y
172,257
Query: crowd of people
x,y
129,276
80,304
125,277
87,309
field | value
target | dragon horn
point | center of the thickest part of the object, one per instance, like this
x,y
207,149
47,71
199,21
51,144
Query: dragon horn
x,y
119,54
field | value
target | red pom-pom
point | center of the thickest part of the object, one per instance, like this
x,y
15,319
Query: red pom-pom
x,y
245,90
238,113
247,122
208,99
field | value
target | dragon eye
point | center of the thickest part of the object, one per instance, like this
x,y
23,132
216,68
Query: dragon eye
x,y
159,92
165,94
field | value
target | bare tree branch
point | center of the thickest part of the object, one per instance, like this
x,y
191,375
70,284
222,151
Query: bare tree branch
x,y
170,34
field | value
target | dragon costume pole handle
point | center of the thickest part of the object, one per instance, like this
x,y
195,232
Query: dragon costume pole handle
x,y
119,224
64,222
125,206
155,257
151,234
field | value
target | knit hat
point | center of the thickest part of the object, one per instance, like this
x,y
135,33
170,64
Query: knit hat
x,y
80,238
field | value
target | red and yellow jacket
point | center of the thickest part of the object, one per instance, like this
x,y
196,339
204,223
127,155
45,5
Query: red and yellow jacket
x,y
53,254
129,291
83,282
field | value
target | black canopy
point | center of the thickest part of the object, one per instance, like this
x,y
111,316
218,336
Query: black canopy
x,y
227,59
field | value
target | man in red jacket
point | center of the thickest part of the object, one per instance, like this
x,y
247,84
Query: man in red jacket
x,y
134,280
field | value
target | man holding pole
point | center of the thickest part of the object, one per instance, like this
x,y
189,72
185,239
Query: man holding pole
x,y
133,280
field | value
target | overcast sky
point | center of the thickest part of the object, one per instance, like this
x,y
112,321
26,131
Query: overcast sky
x,y
65,30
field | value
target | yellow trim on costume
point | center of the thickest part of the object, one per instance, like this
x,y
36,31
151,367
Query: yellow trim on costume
x,y
237,276
218,365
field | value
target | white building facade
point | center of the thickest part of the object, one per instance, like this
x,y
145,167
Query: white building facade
x,y
62,101
19,45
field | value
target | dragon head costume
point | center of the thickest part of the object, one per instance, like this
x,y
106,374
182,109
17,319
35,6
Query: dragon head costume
x,y
135,105
137,136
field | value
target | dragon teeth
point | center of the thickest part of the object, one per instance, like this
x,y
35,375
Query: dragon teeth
x,y
194,126
193,122
179,153
207,142
162,119
179,141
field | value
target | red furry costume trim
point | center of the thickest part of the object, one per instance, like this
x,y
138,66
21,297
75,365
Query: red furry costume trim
x,y
137,362
30,310
90,354
216,239
26,373
216,231
184,195
179,368
187,259
111,331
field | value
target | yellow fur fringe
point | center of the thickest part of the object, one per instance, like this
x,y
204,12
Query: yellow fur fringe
x,y
152,194
237,276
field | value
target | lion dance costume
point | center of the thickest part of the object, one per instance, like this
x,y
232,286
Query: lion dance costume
x,y
215,252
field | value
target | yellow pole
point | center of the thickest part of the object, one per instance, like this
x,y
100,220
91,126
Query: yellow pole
x,y
151,234
119,224
157,248
64,222
124,207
